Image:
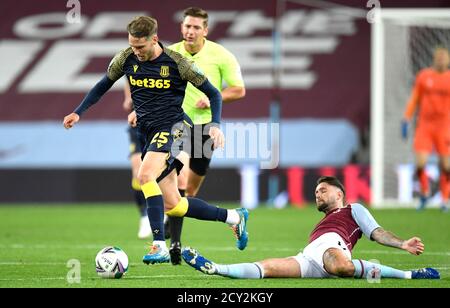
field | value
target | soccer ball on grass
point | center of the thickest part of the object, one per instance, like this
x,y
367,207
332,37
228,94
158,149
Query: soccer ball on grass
x,y
111,262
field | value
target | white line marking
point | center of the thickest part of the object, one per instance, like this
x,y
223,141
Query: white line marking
x,y
211,248
89,278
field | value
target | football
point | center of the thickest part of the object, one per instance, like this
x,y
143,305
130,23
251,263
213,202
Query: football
x,y
111,262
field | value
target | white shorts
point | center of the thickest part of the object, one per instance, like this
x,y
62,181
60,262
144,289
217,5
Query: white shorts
x,y
311,260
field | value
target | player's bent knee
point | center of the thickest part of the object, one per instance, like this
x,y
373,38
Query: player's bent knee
x,y
177,210
193,187
345,269
336,263
182,180
191,191
170,202
340,269
145,178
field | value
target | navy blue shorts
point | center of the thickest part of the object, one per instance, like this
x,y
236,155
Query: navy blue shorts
x,y
201,149
169,140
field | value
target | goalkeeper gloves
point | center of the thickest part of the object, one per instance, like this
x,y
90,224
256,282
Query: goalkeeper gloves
x,y
404,127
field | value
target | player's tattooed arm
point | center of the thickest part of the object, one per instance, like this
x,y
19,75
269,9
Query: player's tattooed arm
x,y
413,245
386,238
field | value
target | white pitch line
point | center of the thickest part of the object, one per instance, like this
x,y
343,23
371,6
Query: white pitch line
x,y
28,279
212,248
56,263
289,250
89,278
397,252
31,263
160,276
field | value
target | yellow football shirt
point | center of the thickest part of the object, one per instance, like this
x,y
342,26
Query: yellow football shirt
x,y
219,65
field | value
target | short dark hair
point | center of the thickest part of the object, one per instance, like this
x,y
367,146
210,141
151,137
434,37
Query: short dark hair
x,y
196,12
142,26
331,180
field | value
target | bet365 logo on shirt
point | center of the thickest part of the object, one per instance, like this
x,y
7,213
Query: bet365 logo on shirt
x,y
150,83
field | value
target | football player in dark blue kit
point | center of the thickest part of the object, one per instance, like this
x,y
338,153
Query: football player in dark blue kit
x,y
136,145
158,78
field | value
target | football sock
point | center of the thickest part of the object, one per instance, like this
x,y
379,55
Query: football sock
x,y
423,180
176,224
155,209
139,197
233,217
161,244
365,269
201,210
241,270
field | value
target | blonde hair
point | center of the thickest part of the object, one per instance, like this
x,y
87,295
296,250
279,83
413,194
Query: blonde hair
x,y
142,26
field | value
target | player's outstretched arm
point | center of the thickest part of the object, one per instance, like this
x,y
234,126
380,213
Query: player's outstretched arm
x,y
215,99
411,107
413,245
70,120
90,99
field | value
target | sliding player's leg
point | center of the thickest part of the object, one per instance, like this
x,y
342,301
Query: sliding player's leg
x,y
270,268
337,263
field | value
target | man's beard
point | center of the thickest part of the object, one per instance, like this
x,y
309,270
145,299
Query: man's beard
x,y
323,207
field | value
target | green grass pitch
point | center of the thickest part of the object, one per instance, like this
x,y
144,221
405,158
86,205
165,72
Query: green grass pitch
x,y
37,241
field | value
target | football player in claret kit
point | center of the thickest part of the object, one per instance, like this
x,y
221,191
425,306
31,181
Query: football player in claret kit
x,y
158,79
329,252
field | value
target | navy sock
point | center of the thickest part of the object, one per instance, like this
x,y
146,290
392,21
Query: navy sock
x,y
201,210
155,212
175,226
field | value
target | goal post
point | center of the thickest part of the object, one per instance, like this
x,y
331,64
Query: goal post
x,y
403,41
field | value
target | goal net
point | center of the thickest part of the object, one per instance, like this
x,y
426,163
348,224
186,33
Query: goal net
x,y
403,41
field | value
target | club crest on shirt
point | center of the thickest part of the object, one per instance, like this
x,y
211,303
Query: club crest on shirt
x,y
164,72
135,67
